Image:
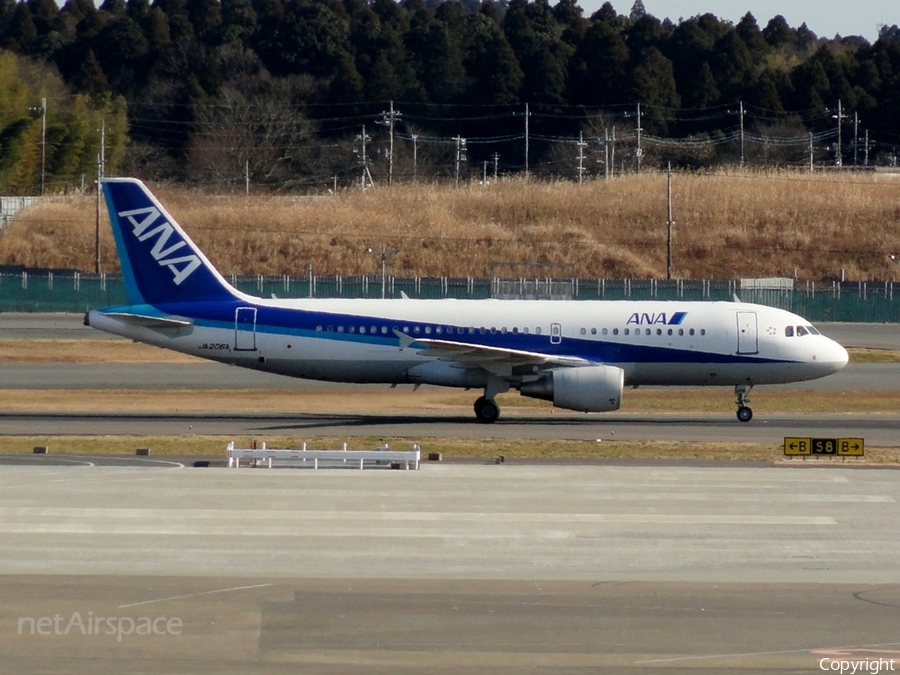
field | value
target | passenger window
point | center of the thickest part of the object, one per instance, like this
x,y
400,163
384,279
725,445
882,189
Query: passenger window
x,y
416,330
352,329
606,331
384,330
439,329
788,331
584,331
593,331
681,331
373,329
525,330
427,330
471,330
362,329
503,330
329,329
702,331
615,331
493,330
801,331
647,332
659,331
691,332
670,331
537,331
318,329
626,331
340,329
515,330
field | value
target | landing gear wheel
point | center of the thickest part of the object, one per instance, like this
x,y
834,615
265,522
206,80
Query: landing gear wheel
x,y
741,392
486,410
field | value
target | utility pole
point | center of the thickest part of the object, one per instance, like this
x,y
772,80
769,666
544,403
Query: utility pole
x,y
605,153
855,139
639,152
742,133
811,153
97,224
612,155
43,141
670,224
389,118
838,160
496,164
460,154
247,177
364,159
527,115
581,145
866,154
415,138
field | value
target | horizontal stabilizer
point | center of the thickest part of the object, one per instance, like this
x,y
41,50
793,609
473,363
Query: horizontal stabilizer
x,y
149,321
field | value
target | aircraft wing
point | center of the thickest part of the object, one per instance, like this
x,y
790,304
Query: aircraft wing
x,y
499,360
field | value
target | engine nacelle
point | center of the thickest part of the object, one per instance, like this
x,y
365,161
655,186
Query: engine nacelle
x,y
586,389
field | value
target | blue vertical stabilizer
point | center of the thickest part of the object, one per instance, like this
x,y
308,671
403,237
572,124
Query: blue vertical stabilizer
x,y
160,264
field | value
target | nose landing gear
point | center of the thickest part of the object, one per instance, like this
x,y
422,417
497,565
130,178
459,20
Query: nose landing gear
x,y
741,391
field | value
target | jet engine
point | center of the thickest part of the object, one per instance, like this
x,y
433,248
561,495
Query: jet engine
x,y
586,388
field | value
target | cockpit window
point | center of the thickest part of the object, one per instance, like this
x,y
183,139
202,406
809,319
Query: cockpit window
x,y
789,331
801,331
812,330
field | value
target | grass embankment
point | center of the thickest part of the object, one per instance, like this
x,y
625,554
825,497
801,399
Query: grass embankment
x,y
451,448
727,226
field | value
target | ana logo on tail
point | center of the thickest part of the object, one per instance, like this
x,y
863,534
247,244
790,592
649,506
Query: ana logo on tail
x,y
143,220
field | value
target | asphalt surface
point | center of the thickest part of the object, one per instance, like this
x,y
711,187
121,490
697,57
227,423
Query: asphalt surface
x,y
453,569
878,430
458,569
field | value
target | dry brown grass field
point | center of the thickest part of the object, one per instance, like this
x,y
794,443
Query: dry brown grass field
x,y
727,226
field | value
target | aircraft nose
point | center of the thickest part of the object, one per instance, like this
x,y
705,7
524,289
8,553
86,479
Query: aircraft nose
x,y
834,357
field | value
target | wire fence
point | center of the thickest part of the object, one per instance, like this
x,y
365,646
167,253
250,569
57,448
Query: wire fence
x,y
856,302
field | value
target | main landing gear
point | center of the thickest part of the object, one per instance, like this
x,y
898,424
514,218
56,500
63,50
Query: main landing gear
x,y
486,410
741,391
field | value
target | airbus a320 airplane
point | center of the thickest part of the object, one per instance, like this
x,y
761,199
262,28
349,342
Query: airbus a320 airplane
x,y
577,354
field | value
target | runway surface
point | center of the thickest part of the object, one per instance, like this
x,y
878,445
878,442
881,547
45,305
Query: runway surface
x,y
878,430
458,569
452,569
882,430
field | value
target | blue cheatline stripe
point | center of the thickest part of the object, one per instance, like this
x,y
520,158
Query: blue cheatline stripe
x,y
677,318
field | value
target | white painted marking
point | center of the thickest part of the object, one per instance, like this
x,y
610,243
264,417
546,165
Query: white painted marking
x,y
811,650
194,595
401,516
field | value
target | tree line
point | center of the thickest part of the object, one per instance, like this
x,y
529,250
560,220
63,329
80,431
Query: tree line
x,y
277,92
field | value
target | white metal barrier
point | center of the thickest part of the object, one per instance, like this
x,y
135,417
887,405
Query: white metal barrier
x,y
332,457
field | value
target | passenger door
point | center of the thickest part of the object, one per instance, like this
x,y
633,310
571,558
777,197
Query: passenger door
x,y
748,333
245,329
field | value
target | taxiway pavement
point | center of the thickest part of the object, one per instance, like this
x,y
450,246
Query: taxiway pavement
x,y
459,569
